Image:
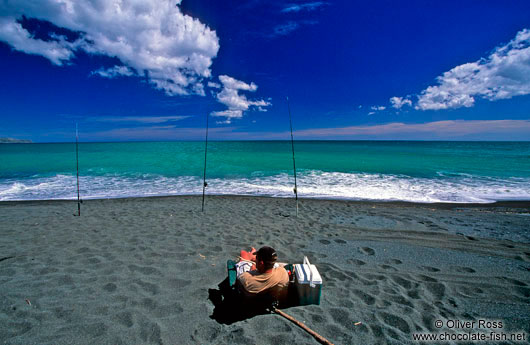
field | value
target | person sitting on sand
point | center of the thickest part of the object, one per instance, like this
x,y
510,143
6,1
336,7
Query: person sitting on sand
x,y
265,278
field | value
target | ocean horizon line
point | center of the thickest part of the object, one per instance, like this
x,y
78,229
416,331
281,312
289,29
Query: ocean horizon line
x,y
273,140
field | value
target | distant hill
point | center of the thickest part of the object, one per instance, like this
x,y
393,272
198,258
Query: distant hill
x,y
14,141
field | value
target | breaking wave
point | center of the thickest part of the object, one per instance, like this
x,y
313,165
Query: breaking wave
x,y
453,188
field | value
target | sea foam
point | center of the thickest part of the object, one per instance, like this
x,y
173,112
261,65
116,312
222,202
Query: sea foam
x,y
457,188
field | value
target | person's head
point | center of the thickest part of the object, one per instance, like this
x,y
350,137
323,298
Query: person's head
x,y
265,258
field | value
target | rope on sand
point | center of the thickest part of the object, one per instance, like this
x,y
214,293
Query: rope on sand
x,y
315,335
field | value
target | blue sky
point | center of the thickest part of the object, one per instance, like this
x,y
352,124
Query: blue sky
x,y
154,69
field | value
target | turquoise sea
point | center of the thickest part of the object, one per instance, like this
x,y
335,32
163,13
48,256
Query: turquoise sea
x,y
357,170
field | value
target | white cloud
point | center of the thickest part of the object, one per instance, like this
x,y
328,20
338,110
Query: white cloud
x,y
15,35
290,26
228,115
158,133
237,104
309,6
141,119
214,85
504,74
376,108
451,129
439,130
153,37
285,29
114,72
399,102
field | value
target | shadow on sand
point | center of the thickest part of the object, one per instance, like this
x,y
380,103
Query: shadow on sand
x,y
231,307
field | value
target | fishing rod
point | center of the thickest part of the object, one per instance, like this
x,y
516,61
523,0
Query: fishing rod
x,y
294,164
204,184
77,169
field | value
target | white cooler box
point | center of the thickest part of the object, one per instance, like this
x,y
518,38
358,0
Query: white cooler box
x,y
308,283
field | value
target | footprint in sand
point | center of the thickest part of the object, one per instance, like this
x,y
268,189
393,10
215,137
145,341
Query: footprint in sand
x,y
125,318
465,269
522,291
64,280
82,250
366,298
94,330
162,311
430,269
436,289
7,272
393,261
62,312
375,276
427,278
428,321
341,316
401,300
395,321
377,331
515,282
367,250
110,287
48,270
392,334
19,328
390,291
153,289
146,270
336,275
356,262
469,292
453,303
150,332
317,318
346,303
402,282
388,268
368,282
206,334
93,261
414,294
524,257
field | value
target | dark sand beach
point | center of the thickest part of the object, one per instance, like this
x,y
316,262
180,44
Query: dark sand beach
x,y
142,270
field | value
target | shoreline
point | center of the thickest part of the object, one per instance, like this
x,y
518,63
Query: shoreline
x,y
522,203
144,270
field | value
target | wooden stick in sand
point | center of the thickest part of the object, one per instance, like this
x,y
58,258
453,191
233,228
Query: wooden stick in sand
x,y
294,164
204,184
315,335
77,170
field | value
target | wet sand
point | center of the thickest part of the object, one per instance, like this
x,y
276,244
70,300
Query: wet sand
x,y
141,270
